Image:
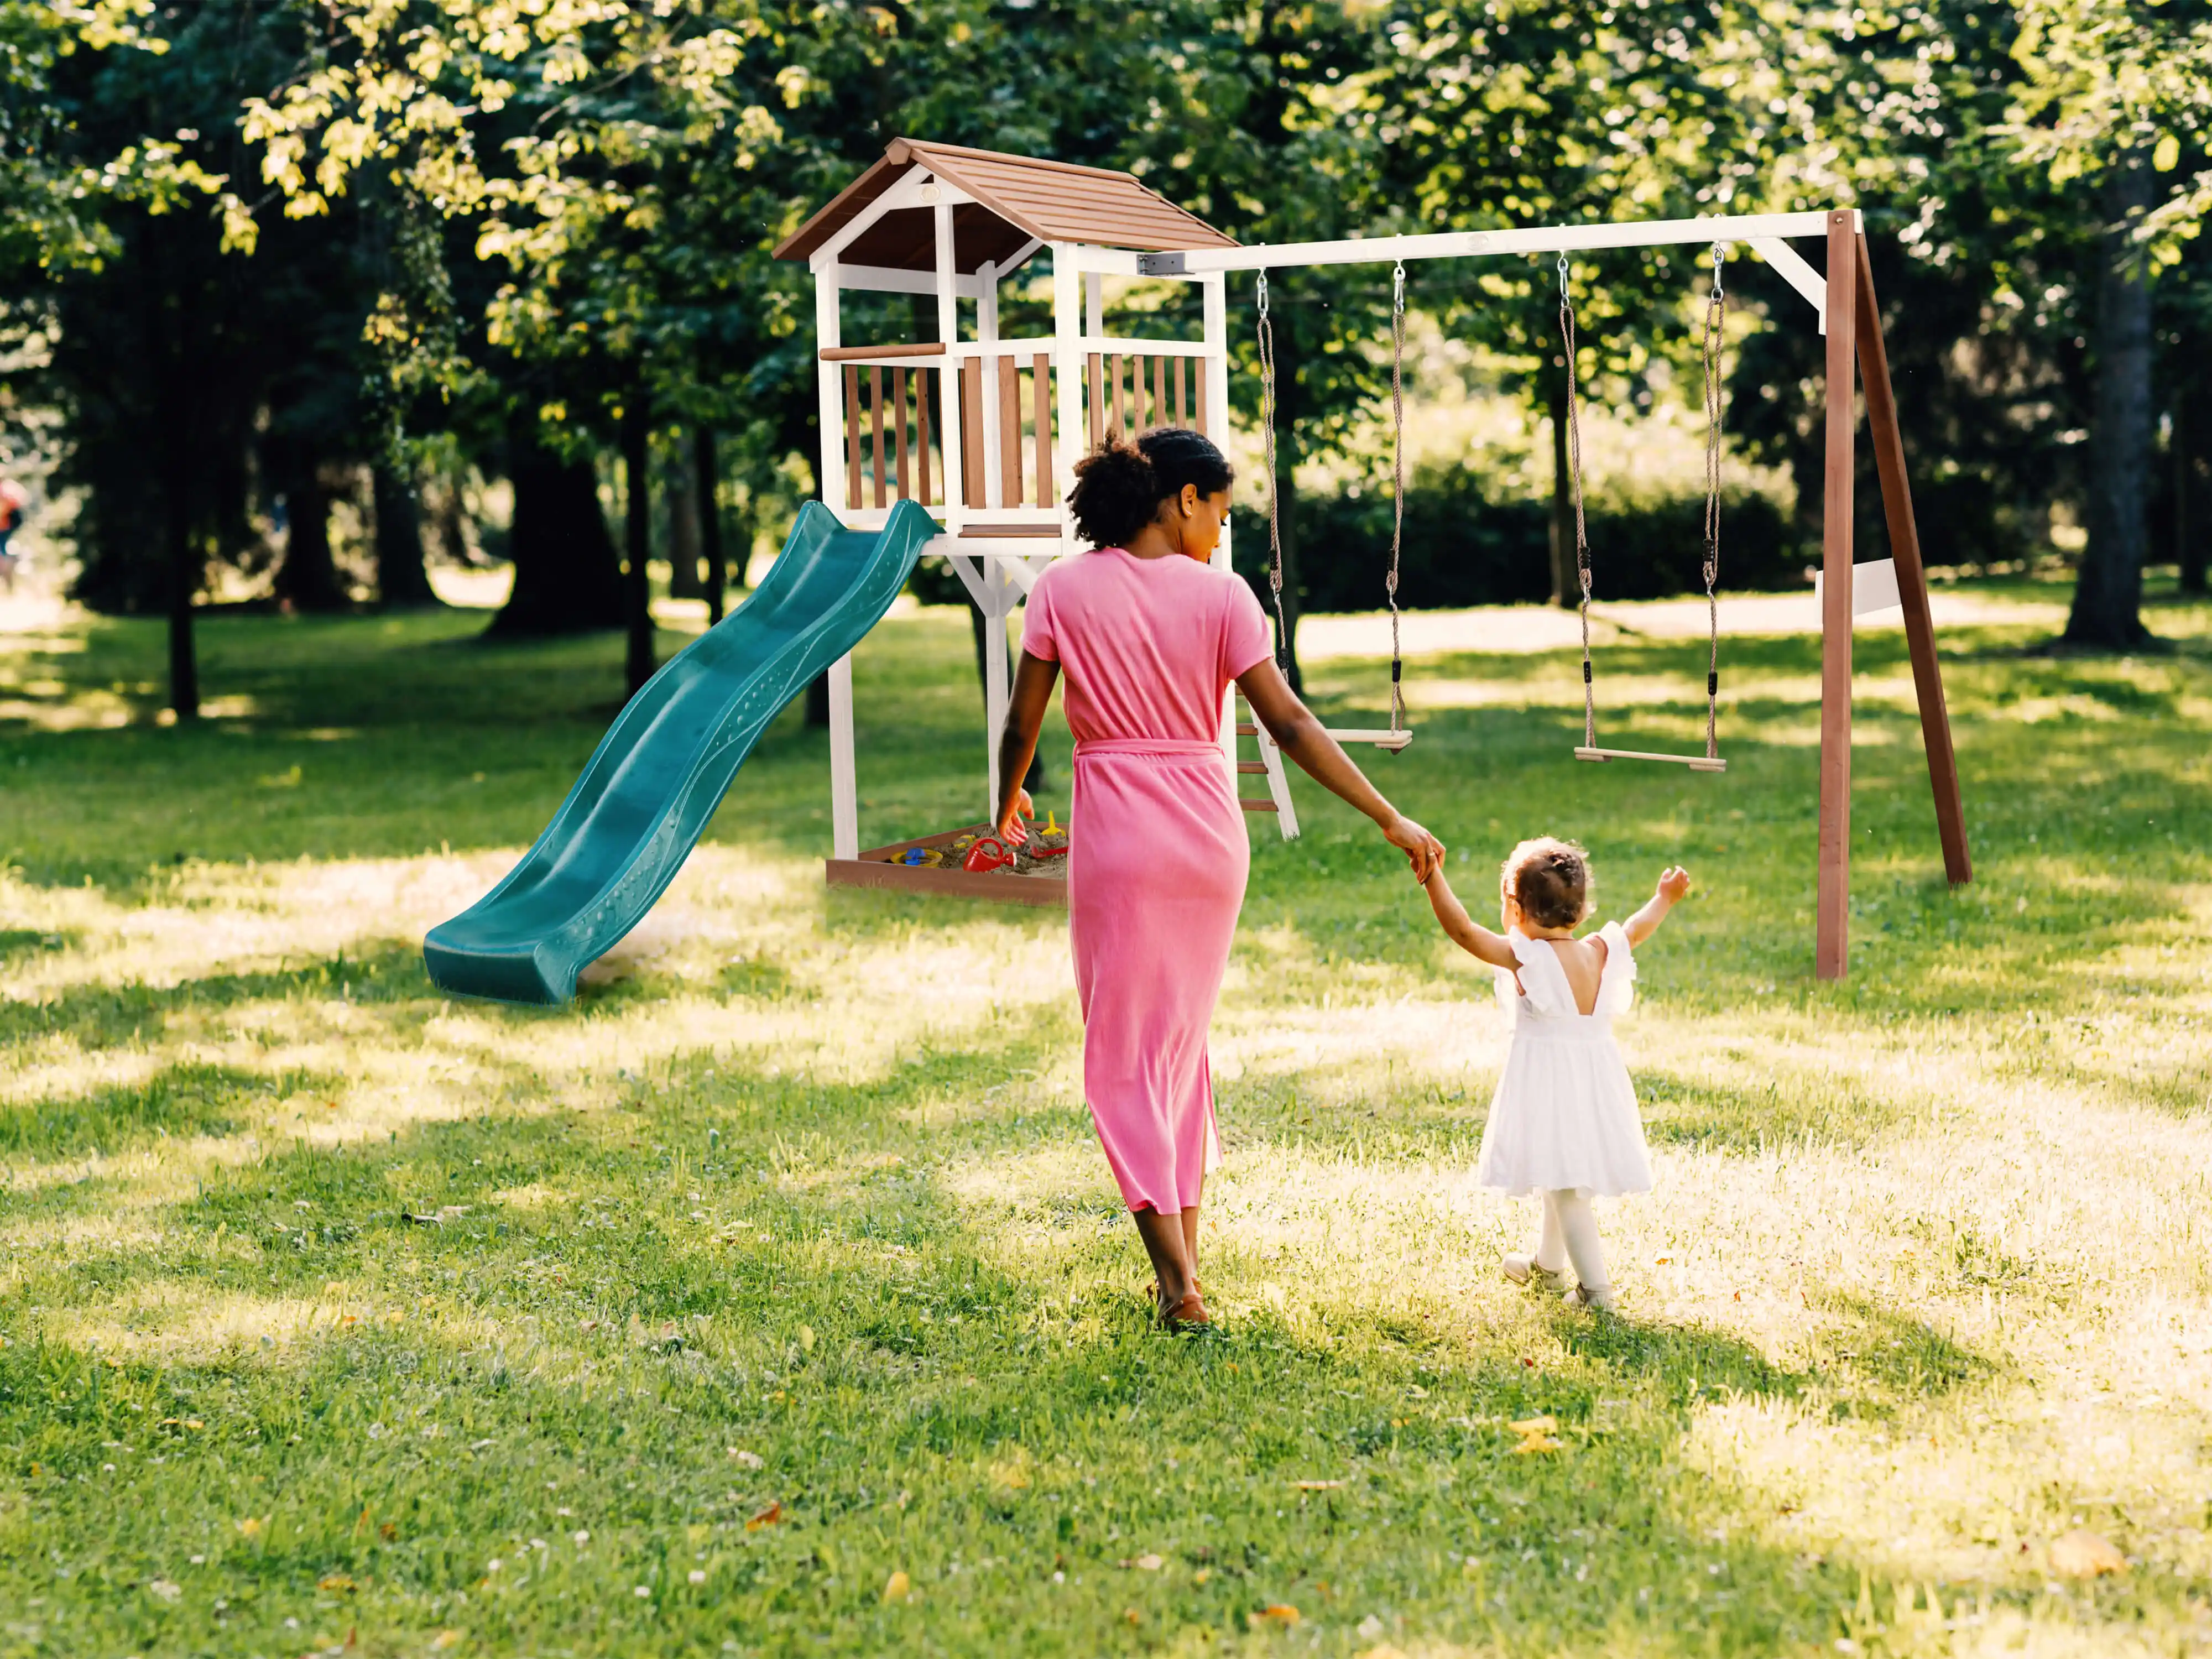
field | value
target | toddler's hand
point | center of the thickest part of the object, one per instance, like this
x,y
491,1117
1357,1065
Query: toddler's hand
x,y
1674,884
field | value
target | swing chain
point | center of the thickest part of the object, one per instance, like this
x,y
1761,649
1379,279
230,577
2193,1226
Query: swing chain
x,y
1575,486
1715,323
1397,484
1266,343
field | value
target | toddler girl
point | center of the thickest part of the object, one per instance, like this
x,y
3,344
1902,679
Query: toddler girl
x,y
1564,1122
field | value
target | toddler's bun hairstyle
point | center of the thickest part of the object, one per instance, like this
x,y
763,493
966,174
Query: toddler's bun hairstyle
x,y
1120,485
1551,879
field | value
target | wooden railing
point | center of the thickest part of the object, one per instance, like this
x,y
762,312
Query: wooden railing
x,y
1106,374
893,393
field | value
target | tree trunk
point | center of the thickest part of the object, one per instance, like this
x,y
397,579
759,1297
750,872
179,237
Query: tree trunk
x,y
2108,597
402,581
705,478
637,503
567,577
679,491
183,583
1567,581
308,577
1285,483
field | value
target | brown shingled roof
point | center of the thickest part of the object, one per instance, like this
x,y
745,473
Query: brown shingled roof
x,y
1017,197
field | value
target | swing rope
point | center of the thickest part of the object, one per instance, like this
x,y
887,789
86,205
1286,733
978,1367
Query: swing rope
x,y
1714,327
1575,487
1397,486
1274,518
1716,321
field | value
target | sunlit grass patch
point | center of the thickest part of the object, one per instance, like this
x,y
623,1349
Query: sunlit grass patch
x,y
785,1258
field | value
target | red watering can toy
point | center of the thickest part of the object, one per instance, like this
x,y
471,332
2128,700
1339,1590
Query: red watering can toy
x,y
987,854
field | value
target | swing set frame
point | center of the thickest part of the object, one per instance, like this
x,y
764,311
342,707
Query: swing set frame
x,y
1855,361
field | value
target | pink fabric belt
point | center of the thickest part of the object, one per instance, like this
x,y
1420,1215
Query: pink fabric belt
x,y
1145,746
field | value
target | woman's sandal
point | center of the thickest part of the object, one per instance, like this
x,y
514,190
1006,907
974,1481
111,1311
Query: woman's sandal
x,y
1187,1315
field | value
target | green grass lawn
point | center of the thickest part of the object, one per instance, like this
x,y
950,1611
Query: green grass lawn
x,y
775,1299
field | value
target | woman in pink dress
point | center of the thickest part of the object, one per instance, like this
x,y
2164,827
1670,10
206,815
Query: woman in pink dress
x,y
1150,636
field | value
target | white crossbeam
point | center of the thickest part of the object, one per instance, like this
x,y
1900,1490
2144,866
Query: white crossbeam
x,y
1461,245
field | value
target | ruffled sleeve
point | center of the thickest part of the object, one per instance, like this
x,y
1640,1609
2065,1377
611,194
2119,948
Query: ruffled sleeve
x,y
1543,982
1616,987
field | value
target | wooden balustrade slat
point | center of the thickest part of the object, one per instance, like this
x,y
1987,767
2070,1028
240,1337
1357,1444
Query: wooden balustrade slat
x,y
1041,401
972,432
1095,384
876,426
1198,401
852,437
1009,432
1159,391
898,424
921,426
1119,429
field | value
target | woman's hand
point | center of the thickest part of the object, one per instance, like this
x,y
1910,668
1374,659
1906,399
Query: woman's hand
x,y
1010,825
1422,850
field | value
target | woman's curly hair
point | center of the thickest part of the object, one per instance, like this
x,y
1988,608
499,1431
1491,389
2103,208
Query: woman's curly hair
x,y
1550,879
1120,485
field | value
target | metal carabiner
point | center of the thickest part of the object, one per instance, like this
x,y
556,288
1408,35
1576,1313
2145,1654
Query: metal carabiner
x,y
1398,287
1720,259
1263,293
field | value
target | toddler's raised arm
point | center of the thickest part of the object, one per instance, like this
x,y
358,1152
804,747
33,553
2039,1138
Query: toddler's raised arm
x,y
1470,935
1673,884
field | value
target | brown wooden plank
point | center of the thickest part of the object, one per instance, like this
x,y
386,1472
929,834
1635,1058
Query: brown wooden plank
x,y
1044,891
878,353
921,426
1120,430
1889,442
852,437
1041,418
1095,384
1159,391
1833,905
1251,805
1198,393
1181,368
898,422
972,432
876,426
1009,432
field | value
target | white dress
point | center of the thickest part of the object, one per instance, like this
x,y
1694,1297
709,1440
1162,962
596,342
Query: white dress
x,y
1565,1115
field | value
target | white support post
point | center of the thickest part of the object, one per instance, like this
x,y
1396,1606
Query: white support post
x,y
830,389
987,335
1067,371
948,330
844,787
1001,594
1214,297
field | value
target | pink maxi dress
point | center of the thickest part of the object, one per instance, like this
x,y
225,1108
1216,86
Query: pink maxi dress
x,y
1158,857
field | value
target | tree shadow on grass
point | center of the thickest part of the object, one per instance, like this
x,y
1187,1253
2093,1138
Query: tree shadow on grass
x,y
96,1016
1699,1116
191,1098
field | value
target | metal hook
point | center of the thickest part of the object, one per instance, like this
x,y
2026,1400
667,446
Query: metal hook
x,y
1397,286
1720,259
1563,270
1263,293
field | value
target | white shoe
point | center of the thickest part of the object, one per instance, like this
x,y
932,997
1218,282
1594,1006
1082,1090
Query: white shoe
x,y
1583,1296
1522,1268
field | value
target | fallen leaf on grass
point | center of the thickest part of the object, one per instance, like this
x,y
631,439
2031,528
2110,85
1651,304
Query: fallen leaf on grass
x,y
1535,1443
1280,1614
1546,1424
165,1588
1144,1562
1316,1485
747,1460
2083,1554
768,1517
335,1582
897,1587
251,1526
446,1638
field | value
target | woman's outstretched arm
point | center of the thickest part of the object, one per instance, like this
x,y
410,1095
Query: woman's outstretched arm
x,y
1320,757
1033,682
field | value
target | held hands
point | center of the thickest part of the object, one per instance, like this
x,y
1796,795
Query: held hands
x,y
1422,850
1010,826
1674,884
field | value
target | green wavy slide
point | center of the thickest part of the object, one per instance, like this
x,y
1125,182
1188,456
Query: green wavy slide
x,y
662,767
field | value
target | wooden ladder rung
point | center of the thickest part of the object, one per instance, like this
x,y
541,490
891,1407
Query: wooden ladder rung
x,y
1246,729
1252,805
1251,765
1382,738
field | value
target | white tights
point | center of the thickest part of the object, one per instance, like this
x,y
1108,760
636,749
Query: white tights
x,y
1569,1233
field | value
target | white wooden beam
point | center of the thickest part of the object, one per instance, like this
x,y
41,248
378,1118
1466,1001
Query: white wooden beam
x,y
844,790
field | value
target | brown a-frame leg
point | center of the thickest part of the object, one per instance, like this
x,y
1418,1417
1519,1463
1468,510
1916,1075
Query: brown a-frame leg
x,y
1855,354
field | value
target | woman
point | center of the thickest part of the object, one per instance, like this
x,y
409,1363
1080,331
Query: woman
x,y
1150,636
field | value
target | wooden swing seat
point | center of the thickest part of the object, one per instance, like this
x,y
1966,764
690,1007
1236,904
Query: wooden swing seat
x,y
1695,762
1381,739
